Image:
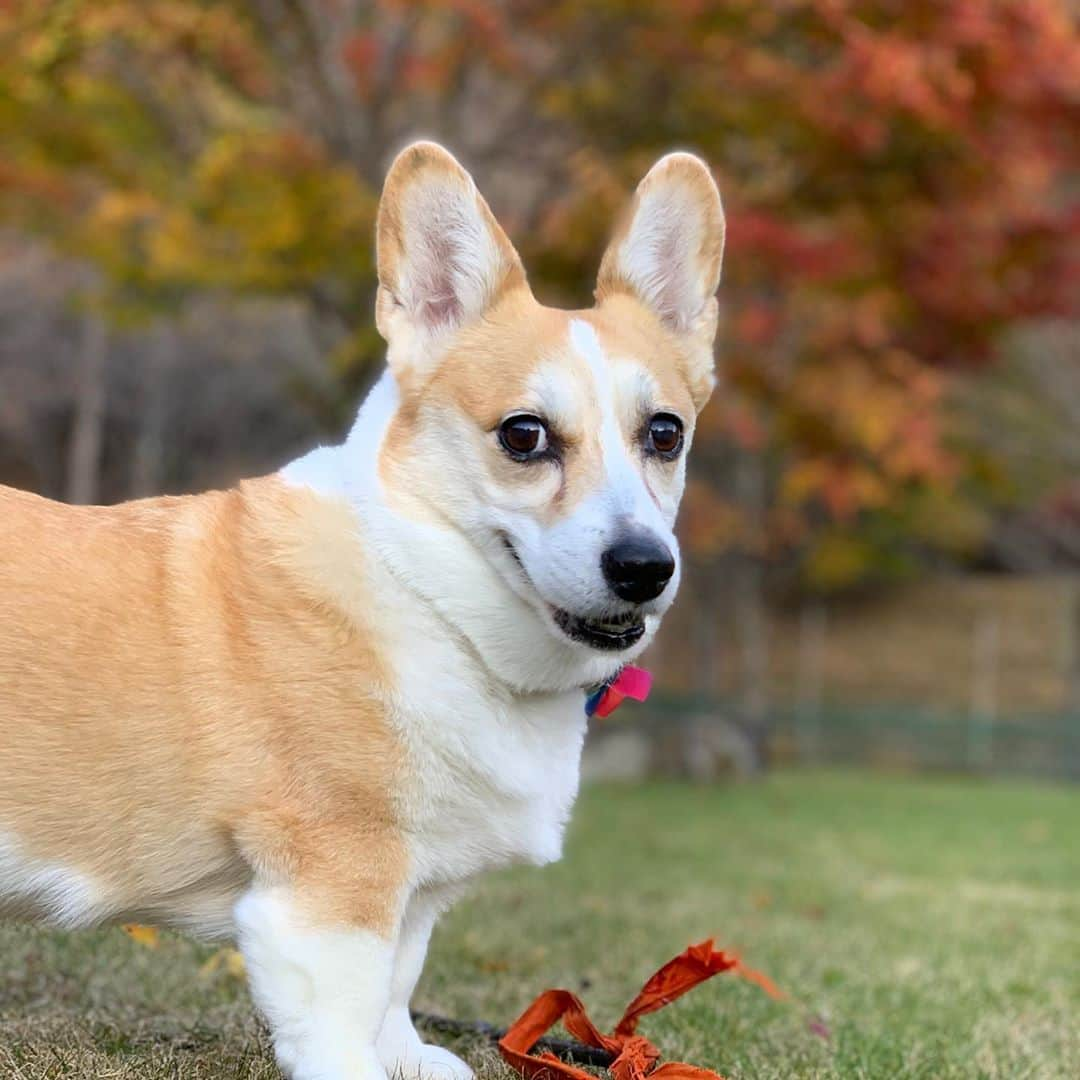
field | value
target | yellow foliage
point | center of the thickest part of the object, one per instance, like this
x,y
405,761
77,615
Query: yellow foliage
x,y
229,961
838,561
148,936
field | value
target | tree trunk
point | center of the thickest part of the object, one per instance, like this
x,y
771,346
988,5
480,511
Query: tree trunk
x,y
147,468
88,426
749,608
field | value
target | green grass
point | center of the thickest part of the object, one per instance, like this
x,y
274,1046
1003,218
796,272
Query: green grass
x,y
933,925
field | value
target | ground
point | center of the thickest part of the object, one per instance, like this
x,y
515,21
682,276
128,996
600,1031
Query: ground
x,y
931,926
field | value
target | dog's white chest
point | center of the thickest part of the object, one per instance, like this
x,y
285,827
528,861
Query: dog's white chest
x,y
489,783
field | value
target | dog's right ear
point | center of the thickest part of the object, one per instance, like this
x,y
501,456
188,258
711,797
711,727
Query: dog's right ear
x,y
443,260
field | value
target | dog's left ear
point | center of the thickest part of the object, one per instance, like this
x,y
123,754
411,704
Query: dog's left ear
x,y
666,252
443,259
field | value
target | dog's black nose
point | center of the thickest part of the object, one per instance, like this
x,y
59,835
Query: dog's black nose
x,y
638,567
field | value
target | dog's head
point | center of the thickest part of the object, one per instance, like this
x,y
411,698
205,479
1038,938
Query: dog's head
x,y
555,442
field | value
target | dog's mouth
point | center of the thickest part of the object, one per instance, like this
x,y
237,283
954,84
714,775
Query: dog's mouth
x,y
608,633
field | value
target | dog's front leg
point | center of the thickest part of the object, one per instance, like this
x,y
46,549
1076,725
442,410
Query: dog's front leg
x,y
322,984
401,1049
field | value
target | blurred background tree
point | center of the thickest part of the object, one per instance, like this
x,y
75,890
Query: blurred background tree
x,y
189,187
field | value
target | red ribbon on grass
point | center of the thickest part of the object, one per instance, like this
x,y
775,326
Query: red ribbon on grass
x,y
635,1057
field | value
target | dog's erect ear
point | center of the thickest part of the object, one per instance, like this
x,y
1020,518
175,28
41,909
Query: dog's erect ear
x,y
667,250
443,259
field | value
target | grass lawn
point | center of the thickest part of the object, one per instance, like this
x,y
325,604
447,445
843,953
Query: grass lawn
x,y
933,925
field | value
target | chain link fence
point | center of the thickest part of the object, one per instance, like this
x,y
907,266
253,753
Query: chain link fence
x,y
1043,745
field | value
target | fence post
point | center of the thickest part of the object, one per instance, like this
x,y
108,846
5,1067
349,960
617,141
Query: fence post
x,y
1070,632
1070,662
749,603
813,620
88,426
985,644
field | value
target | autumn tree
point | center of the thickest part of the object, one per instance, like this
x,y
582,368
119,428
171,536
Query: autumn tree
x,y
893,172
894,177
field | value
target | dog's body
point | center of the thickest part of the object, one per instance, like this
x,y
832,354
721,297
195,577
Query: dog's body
x,y
305,712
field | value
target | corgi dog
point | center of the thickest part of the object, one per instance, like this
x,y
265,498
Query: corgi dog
x,y
306,712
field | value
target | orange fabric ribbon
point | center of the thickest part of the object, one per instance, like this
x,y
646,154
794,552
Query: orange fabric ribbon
x,y
634,1056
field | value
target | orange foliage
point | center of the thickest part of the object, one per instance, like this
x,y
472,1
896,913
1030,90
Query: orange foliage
x,y
894,175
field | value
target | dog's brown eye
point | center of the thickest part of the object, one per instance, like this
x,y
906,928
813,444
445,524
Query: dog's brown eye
x,y
523,436
665,434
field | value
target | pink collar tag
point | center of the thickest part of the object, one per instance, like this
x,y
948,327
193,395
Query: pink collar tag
x,y
631,682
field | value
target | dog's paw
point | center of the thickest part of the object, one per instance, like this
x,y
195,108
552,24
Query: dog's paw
x,y
428,1062
407,1058
312,1062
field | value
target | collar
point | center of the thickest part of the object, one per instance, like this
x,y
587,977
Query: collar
x,y
627,682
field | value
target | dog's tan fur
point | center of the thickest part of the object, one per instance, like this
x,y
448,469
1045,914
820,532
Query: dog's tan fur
x,y
190,693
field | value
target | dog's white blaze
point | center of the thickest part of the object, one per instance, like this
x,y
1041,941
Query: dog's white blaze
x,y
556,395
624,492
36,887
618,472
